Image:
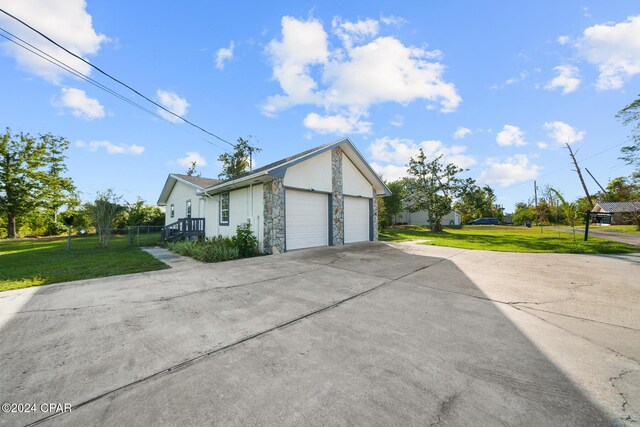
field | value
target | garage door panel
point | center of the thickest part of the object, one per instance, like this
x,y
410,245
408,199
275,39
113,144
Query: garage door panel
x,y
356,219
307,219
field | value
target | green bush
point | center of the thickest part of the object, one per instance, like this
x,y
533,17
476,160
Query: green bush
x,y
54,228
214,249
245,240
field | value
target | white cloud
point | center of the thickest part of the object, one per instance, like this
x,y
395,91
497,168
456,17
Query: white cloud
x,y
111,148
80,104
189,158
563,133
361,73
522,76
389,172
511,171
614,49
393,20
567,79
350,32
397,151
397,121
66,22
304,43
172,102
510,81
224,54
461,132
542,145
336,124
562,40
510,135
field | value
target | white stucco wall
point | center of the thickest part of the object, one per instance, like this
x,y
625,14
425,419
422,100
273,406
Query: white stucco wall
x,y
314,173
178,197
353,183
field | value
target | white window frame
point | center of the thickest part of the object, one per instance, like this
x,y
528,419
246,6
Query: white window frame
x,y
224,196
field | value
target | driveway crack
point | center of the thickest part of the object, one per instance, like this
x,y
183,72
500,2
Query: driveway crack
x,y
445,407
625,402
188,362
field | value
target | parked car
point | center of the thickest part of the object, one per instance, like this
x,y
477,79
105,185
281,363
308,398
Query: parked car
x,y
484,221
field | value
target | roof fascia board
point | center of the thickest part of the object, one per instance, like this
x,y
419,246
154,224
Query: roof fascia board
x,y
235,184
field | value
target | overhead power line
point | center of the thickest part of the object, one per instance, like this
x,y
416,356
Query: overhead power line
x,y
111,77
45,56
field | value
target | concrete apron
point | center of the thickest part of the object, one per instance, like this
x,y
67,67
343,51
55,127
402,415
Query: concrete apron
x,y
361,334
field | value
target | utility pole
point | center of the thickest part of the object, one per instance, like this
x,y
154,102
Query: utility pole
x,y
535,195
594,178
584,186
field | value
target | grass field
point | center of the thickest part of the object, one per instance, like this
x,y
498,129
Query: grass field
x,y
35,262
507,239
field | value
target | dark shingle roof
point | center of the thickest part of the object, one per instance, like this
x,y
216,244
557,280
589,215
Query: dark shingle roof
x,y
619,206
197,180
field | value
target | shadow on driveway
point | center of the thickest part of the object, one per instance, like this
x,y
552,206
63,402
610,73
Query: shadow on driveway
x,y
360,334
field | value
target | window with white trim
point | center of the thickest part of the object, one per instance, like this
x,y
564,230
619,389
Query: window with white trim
x,y
173,210
224,208
188,208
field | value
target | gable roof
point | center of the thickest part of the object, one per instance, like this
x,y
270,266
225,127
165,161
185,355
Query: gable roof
x,y
197,182
618,206
278,168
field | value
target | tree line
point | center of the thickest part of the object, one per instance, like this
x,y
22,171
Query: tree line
x,y
437,188
36,198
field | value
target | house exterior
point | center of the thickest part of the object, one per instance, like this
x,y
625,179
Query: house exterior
x,y
422,218
321,197
616,212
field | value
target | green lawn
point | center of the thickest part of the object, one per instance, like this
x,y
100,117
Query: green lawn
x,y
507,239
35,262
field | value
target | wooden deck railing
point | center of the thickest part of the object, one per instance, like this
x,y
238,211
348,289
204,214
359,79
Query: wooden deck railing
x,y
184,229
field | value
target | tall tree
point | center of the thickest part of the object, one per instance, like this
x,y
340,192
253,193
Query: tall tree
x,y
107,206
31,175
239,161
524,212
477,202
432,186
630,115
192,170
393,203
623,189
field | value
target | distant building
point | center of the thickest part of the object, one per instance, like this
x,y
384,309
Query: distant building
x,y
422,218
616,212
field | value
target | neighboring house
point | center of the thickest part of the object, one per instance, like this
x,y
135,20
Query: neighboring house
x,y
422,218
322,197
616,212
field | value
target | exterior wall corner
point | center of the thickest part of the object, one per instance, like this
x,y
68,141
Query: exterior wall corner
x,y
274,217
337,197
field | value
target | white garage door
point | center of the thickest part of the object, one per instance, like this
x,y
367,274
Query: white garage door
x,y
356,219
307,219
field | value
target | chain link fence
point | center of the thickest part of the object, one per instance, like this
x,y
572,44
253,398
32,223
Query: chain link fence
x,y
135,236
144,235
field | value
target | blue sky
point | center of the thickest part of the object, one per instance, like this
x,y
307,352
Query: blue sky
x,y
497,87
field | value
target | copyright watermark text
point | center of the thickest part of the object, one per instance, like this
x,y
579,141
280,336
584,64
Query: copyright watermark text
x,y
42,408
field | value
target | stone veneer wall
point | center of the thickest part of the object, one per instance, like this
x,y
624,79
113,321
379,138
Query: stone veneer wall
x,y
374,217
337,197
274,217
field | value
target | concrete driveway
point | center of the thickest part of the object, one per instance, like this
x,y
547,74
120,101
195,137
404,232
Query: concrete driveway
x,y
629,238
365,334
